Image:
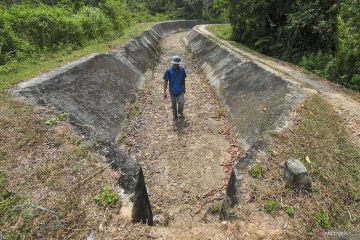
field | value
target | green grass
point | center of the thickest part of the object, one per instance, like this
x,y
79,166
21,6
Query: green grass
x,y
272,207
290,211
13,73
256,171
322,219
107,197
224,31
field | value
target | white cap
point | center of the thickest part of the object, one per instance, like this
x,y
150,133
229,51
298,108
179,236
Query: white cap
x,y
175,60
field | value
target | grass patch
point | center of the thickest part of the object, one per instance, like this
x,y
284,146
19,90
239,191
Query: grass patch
x,y
272,207
15,72
322,219
290,211
319,134
223,31
256,171
41,167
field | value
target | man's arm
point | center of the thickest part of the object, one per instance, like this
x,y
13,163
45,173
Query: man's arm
x,y
166,79
165,88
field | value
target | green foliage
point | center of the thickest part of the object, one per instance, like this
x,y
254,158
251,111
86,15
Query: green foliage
x,y
322,36
107,197
220,9
57,119
272,206
290,211
62,116
52,121
94,23
190,9
322,219
32,28
256,171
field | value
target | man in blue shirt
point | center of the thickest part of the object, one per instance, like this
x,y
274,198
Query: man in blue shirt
x,y
175,76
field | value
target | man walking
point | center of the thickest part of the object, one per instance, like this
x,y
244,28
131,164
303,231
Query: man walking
x,y
175,76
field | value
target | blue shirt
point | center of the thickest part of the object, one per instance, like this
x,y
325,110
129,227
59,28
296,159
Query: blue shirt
x,y
176,78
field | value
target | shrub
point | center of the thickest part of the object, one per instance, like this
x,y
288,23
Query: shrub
x,y
44,26
118,15
31,27
10,44
94,23
316,62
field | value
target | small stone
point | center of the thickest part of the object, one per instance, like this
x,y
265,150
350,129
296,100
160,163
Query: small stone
x,y
296,174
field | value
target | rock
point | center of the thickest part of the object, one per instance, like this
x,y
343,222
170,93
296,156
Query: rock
x,y
296,175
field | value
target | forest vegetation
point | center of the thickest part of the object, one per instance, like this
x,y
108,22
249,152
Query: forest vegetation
x,y
321,36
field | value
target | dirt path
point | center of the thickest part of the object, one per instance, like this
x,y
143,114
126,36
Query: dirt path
x,y
182,161
186,164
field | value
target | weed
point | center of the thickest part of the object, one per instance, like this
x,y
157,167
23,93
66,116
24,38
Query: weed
x,y
272,206
322,219
215,208
52,121
62,116
107,197
290,211
256,171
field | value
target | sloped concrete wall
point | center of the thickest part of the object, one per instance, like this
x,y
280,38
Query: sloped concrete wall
x,y
257,99
96,91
